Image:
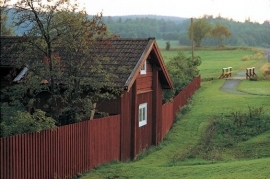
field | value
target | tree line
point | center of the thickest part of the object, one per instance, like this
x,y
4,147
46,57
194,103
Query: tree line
x,y
242,33
176,28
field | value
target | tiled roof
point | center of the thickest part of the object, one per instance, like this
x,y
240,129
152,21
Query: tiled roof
x,y
7,56
125,56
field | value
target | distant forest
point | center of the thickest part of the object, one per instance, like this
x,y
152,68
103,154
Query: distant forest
x,y
175,28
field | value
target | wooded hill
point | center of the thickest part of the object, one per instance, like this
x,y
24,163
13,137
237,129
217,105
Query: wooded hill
x,y
175,28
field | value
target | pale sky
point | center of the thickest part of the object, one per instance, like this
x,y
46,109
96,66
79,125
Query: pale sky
x,y
239,10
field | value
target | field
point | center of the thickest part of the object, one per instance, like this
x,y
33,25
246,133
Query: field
x,y
179,155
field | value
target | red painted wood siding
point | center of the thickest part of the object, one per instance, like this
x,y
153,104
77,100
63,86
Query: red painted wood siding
x,y
60,153
126,114
143,138
112,106
145,81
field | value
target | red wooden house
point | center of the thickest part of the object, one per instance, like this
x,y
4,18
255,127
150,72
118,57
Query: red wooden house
x,y
140,103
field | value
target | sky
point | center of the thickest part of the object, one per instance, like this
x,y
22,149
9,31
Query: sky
x,y
238,10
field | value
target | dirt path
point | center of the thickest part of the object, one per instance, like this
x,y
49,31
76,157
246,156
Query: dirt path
x,y
231,84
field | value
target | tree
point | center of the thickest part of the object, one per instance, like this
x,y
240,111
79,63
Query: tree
x,y
219,32
72,77
5,30
168,45
182,70
201,28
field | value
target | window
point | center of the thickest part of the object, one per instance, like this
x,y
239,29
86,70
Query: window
x,y
143,70
142,114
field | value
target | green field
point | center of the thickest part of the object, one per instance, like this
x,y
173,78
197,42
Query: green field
x,y
255,87
214,60
248,159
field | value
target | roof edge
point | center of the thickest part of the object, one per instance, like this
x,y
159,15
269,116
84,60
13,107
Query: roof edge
x,y
132,76
163,66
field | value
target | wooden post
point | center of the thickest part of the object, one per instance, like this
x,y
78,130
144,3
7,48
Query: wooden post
x,y
247,73
230,71
253,71
92,115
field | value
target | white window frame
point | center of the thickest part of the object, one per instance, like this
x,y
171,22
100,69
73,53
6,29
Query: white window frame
x,y
142,116
143,69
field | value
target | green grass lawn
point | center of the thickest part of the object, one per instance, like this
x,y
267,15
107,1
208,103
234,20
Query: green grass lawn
x,y
255,87
164,160
213,60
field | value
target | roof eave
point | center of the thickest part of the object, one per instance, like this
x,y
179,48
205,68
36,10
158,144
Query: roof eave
x,y
137,68
132,77
163,67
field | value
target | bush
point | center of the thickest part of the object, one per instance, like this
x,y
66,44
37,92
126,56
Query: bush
x,y
168,45
16,121
225,131
241,126
182,70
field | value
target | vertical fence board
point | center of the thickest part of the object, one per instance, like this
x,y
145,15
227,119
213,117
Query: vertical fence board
x,y
76,148
61,153
169,110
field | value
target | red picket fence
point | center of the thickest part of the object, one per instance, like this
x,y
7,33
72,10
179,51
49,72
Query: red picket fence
x,y
170,109
61,153
76,148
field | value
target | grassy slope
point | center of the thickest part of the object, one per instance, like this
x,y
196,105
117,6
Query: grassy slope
x,y
187,131
252,87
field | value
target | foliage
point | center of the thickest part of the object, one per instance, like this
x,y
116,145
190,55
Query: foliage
x,y
15,120
240,126
219,32
182,70
73,79
5,28
227,131
201,29
175,28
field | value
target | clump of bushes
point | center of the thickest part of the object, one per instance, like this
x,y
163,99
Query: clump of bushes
x,y
240,126
182,70
15,120
225,131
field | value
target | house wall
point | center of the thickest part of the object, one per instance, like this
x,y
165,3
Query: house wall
x,y
156,108
126,116
112,106
143,134
145,81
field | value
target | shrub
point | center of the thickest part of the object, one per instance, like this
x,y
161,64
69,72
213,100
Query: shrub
x,y
18,121
182,70
168,45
